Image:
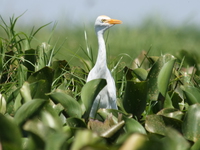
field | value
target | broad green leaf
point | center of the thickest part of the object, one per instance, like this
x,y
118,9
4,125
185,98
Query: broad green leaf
x,y
157,124
134,142
51,119
84,138
10,135
2,104
192,94
28,110
159,76
26,92
133,126
104,113
171,113
135,97
89,92
196,145
46,75
165,75
72,107
114,129
74,122
173,140
58,67
56,141
140,73
190,126
30,60
37,132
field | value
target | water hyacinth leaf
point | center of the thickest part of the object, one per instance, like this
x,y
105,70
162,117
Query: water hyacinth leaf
x,y
190,126
100,127
36,127
84,138
152,121
72,107
28,110
51,119
152,77
37,133
192,94
2,104
30,60
45,75
196,145
140,73
134,142
111,131
173,139
104,113
171,113
58,67
89,92
164,76
135,97
74,122
26,92
9,141
56,141
133,126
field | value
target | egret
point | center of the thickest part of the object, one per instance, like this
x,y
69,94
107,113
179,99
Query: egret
x,y
107,96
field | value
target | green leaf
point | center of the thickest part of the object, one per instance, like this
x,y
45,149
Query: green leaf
x,y
192,94
26,92
196,145
135,97
51,119
75,122
30,60
134,142
133,126
89,92
164,76
84,138
191,122
2,104
111,131
46,76
72,107
10,134
140,73
56,141
174,140
160,72
28,110
157,124
104,113
171,113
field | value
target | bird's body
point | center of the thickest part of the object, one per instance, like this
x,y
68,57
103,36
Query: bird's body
x,y
107,96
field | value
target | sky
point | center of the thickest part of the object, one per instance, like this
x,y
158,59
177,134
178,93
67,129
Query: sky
x,y
131,12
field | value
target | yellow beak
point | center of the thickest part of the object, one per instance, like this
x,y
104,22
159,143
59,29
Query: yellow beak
x,y
114,21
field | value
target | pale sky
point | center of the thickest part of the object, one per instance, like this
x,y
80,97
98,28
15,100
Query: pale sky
x,y
82,11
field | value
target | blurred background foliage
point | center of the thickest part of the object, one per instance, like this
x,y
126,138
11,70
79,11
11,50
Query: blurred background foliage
x,y
124,40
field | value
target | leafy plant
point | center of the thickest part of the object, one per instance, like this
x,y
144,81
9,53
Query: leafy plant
x,y
45,103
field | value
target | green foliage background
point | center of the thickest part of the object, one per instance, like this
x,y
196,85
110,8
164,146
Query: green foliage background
x,y
44,100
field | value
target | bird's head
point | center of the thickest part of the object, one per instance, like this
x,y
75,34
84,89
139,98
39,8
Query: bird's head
x,y
103,22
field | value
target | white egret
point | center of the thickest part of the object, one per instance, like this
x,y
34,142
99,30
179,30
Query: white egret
x,y
107,96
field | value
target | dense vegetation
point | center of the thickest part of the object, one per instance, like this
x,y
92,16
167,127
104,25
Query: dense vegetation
x,y
44,100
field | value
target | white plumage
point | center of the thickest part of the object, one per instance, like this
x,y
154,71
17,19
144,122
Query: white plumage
x,y
107,96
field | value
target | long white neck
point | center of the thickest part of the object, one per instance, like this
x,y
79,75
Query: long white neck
x,y
101,58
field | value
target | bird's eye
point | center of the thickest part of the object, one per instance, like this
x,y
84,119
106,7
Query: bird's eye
x,y
103,20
